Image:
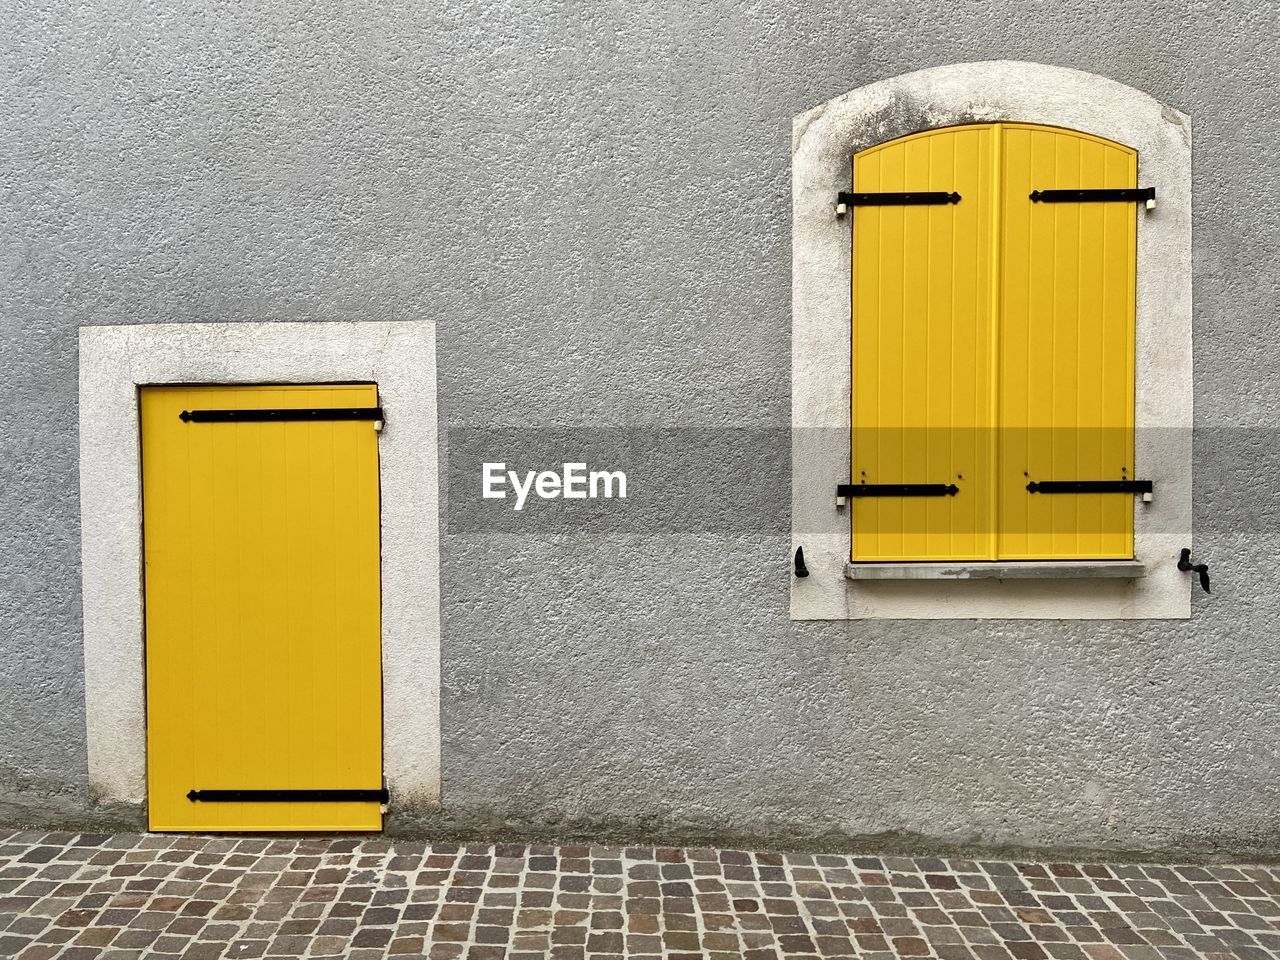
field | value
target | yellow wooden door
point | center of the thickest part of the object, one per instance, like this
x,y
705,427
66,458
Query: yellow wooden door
x,y
262,610
1066,340
923,349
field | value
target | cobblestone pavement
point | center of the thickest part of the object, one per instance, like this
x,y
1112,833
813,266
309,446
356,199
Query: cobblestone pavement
x,y
193,896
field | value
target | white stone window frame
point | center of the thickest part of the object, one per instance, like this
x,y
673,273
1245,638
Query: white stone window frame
x,y
114,362
824,141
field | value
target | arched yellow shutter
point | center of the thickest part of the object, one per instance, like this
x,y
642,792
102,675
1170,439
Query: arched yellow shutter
x,y
993,347
1067,300
922,347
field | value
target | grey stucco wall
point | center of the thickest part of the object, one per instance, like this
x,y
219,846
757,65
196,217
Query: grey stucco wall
x,y
592,202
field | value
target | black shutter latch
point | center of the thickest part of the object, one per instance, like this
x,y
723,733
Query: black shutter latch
x,y
801,570
1186,566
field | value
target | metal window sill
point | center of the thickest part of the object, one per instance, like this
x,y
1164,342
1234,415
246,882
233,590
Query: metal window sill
x,y
1016,570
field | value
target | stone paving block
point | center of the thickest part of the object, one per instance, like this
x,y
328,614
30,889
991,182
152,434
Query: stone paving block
x,y
204,897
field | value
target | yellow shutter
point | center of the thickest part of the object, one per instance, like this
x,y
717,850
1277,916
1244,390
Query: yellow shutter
x,y
922,348
1066,332
262,609
992,346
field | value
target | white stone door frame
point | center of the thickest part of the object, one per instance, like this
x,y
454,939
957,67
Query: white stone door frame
x,y
114,362
824,140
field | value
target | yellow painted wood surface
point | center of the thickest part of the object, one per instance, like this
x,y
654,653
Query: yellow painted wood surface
x,y
993,344
1066,379
262,608
922,347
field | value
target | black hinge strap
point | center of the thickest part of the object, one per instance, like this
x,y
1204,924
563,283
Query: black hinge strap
x,y
280,416
912,198
1090,486
286,796
1132,195
897,490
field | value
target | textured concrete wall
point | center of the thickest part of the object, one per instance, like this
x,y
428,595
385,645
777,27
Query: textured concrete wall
x,y
592,200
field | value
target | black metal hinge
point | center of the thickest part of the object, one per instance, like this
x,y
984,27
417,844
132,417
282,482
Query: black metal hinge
x,y
897,490
912,198
1145,195
286,796
1090,486
280,416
